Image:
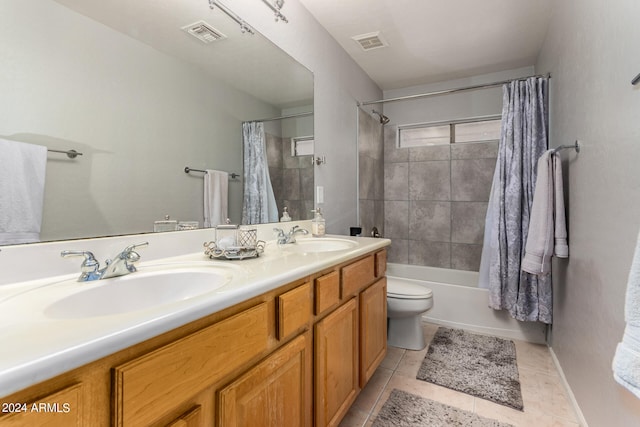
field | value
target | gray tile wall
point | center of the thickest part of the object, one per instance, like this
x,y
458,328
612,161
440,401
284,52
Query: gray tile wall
x,y
291,178
435,202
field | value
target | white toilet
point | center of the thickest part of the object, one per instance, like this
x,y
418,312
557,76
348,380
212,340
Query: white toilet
x,y
406,302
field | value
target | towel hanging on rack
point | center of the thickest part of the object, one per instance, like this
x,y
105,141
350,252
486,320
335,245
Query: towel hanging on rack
x,y
547,228
216,192
22,177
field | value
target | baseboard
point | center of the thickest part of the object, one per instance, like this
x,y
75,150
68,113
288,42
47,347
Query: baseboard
x,y
572,398
534,337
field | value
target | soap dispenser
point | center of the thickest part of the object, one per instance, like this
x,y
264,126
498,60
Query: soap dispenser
x,y
285,215
317,224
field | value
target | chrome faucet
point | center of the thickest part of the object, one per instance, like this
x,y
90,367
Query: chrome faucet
x,y
283,238
122,264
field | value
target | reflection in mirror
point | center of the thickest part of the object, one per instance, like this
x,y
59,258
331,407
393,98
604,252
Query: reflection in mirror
x,y
289,145
141,99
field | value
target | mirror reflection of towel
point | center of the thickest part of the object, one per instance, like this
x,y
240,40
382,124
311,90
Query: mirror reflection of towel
x,y
22,175
216,189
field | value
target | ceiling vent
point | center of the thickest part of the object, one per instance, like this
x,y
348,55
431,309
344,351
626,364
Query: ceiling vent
x,y
370,41
204,32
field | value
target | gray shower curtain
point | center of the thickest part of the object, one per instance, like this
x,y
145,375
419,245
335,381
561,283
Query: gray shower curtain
x,y
259,204
524,138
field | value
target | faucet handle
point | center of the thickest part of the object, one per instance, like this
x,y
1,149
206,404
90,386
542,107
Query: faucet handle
x,y
89,266
130,256
130,248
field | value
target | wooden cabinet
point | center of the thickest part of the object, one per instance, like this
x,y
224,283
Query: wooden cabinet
x,y
295,356
277,392
336,364
351,342
373,328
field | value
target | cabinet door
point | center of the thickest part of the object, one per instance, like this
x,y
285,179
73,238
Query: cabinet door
x,y
276,392
336,364
373,328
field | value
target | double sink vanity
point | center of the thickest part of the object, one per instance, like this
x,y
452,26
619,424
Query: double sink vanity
x,y
285,339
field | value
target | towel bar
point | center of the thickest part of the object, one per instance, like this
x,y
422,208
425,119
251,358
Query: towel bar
x,y
575,146
187,169
72,154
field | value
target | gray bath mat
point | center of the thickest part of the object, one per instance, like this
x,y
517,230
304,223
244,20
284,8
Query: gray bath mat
x,y
479,365
404,409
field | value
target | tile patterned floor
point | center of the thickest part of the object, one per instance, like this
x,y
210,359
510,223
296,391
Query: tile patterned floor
x,y
545,401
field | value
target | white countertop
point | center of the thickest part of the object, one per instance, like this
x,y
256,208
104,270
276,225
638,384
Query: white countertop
x,y
36,347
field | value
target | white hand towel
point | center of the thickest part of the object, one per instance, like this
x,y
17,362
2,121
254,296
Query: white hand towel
x,y
626,362
561,247
22,175
547,227
216,189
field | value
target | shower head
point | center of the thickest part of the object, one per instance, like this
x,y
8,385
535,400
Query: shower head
x,y
383,119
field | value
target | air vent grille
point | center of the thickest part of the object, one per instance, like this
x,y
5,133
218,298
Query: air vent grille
x,y
204,32
370,41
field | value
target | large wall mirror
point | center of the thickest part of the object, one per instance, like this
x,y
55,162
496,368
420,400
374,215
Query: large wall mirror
x,y
121,82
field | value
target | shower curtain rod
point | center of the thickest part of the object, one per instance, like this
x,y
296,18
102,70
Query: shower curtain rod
x,y
271,119
446,91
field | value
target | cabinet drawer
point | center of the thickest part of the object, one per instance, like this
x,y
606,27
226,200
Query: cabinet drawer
x,y
357,275
381,263
327,292
294,310
63,408
148,387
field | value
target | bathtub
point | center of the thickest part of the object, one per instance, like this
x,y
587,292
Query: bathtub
x,y
459,303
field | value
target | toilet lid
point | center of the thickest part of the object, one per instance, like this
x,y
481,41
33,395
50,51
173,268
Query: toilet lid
x,y
406,290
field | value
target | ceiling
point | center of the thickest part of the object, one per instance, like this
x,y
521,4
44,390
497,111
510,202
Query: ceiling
x,y
436,40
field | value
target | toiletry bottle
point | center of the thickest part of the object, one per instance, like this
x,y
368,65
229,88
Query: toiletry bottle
x,y
317,224
285,215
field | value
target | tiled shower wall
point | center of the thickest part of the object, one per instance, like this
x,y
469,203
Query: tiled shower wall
x,y
291,178
370,173
435,201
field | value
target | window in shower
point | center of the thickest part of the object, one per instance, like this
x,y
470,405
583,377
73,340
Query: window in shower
x,y
463,131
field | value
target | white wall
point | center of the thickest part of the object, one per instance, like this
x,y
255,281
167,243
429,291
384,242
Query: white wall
x,y
338,84
591,50
138,115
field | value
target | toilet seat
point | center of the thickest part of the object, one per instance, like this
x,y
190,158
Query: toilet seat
x,y
404,290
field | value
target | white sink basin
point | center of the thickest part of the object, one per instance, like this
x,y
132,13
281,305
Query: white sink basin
x,y
321,244
138,291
